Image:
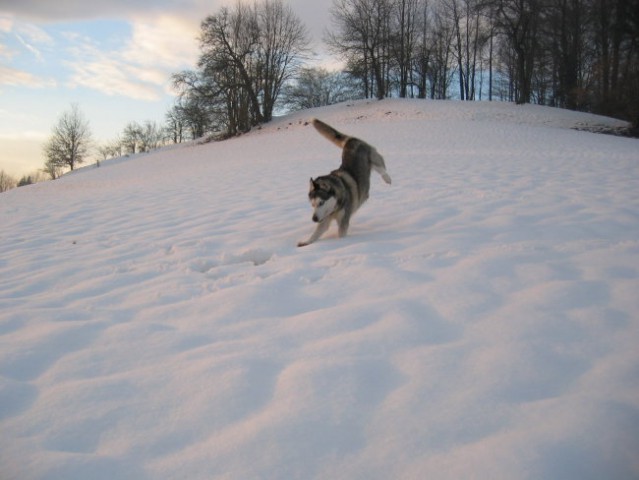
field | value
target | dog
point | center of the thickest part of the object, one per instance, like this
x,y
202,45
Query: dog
x,y
338,195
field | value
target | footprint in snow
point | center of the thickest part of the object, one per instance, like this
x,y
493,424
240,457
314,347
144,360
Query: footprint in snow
x,y
256,257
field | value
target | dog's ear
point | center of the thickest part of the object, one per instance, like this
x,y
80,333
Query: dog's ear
x,y
311,185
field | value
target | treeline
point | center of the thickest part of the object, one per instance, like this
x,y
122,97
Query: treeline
x,y
71,142
576,54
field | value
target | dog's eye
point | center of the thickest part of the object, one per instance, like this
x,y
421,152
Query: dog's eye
x,y
321,203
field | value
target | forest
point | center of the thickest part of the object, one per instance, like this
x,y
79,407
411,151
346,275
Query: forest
x,y
576,54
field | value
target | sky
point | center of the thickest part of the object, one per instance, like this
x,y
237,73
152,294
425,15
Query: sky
x,y
112,58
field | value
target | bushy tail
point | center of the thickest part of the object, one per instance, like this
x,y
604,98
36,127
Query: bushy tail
x,y
330,133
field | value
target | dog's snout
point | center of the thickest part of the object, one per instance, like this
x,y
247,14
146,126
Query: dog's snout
x,y
315,219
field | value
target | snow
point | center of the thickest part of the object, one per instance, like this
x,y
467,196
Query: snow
x,y
481,320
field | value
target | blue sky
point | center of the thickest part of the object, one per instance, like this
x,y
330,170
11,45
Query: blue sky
x,y
113,58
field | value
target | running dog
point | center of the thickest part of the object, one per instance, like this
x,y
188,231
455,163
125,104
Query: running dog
x,y
338,195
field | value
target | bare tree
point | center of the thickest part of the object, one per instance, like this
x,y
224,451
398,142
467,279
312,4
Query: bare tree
x,y
248,54
317,87
175,125
202,105
440,72
362,38
7,182
70,141
105,152
405,38
150,136
52,170
116,147
470,36
423,49
110,149
131,138
228,42
521,21
283,44
566,47
615,38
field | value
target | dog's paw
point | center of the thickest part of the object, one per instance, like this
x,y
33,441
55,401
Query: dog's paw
x,y
303,244
387,178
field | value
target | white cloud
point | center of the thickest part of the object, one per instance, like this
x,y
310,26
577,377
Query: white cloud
x,y
159,45
30,36
55,11
33,34
19,78
111,77
153,76
36,53
6,52
165,41
6,23
141,68
162,40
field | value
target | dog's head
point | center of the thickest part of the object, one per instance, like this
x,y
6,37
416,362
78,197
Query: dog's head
x,y
322,197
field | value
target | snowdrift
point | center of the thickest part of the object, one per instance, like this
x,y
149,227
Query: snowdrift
x,y
481,320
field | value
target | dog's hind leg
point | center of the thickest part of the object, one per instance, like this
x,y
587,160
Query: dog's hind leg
x,y
377,163
319,231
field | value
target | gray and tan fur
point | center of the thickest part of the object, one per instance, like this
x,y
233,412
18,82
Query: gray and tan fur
x,y
338,195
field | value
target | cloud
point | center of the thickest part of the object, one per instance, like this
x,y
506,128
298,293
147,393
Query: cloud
x,y
6,53
52,11
161,41
112,77
36,53
19,78
164,41
141,67
29,36
6,23
32,33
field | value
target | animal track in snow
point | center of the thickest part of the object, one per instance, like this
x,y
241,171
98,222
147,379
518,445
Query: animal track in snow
x,y
256,257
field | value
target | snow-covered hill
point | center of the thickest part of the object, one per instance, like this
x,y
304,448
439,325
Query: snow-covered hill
x,y
480,321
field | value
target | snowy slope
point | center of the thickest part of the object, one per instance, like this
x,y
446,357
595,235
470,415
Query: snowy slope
x,y
481,320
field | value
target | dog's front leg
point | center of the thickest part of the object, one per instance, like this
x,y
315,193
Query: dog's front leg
x,y
343,223
319,231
